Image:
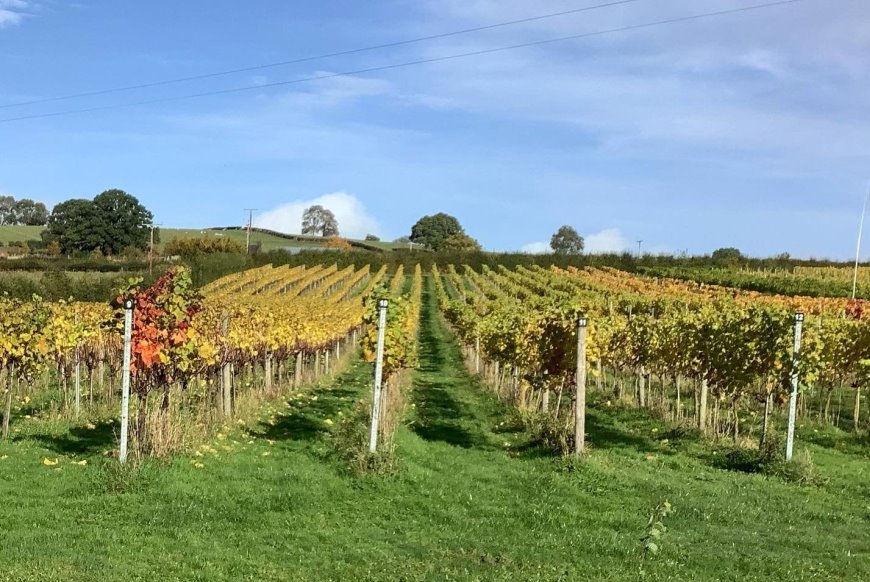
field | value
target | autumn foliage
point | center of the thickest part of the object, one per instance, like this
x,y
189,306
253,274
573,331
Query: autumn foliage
x,y
164,347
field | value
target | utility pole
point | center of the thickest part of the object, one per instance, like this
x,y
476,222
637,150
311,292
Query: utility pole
x,y
640,242
250,212
858,250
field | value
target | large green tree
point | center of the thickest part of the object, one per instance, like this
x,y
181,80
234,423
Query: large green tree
x,y
566,241
433,231
126,221
75,225
111,222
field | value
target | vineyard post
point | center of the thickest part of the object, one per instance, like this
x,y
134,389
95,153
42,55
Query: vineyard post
x,y
125,379
78,385
580,395
226,374
477,354
379,374
792,403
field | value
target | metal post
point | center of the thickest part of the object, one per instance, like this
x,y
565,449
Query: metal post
x,y
792,403
379,374
858,250
580,391
226,374
125,378
78,384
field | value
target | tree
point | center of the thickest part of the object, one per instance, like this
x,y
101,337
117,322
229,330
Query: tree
x,y
30,213
460,243
727,255
432,231
566,241
126,223
402,240
7,210
373,238
113,221
318,220
53,248
76,225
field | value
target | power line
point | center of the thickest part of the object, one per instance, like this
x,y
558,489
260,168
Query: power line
x,y
406,63
315,57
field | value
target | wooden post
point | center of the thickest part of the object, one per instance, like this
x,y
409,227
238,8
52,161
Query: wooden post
x,y
792,403
580,391
641,387
857,414
267,371
7,409
297,372
477,354
702,407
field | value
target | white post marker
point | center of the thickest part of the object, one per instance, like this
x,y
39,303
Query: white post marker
x,y
125,378
792,403
78,384
379,375
580,390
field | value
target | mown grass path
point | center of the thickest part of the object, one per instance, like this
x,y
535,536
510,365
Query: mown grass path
x,y
473,501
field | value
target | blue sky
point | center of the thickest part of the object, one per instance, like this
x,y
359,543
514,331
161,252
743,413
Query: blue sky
x,y
751,130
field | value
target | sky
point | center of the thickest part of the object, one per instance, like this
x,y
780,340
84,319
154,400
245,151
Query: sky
x,y
749,129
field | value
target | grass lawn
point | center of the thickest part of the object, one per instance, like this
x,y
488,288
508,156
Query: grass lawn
x,y
269,242
9,233
474,500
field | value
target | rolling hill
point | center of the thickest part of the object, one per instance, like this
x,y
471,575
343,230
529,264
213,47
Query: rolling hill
x,y
269,240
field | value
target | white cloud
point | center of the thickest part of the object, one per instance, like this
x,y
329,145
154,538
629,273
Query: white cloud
x,y
354,221
12,12
536,248
609,240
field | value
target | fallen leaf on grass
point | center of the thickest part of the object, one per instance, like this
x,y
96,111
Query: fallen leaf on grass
x,y
651,458
83,462
49,462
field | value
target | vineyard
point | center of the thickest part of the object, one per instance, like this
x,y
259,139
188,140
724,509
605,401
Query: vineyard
x,y
698,352
251,411
199,357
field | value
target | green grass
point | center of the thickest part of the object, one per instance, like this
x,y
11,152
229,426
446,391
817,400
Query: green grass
x,y
269,242
474,500
9,233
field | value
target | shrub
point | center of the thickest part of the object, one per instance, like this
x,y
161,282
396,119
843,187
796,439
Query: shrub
x,y
336,242
351,444
192,246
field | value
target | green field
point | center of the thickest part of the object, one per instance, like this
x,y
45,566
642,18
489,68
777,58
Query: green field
x,y
473,499
269,242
